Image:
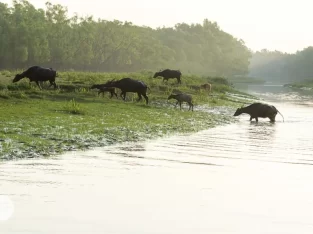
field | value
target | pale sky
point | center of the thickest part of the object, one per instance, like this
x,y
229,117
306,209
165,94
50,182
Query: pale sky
x,y
284,25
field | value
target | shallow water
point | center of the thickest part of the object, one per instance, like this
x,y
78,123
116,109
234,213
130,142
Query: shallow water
x,y
241,178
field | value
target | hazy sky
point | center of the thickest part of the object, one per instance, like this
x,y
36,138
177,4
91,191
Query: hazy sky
x,y
283,25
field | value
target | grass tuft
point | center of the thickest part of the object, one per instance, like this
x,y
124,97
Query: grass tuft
x,y
74,107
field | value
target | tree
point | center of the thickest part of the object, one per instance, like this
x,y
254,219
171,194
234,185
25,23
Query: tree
x,y
49,37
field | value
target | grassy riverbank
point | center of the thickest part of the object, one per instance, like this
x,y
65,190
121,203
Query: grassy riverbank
x,y
37,122
246,80
303,85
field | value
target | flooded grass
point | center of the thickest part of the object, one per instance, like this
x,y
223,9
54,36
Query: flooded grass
x,y
37,122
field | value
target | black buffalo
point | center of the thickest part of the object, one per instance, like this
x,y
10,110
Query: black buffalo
x,y
261,110
38,74
169,74
103,89
129,85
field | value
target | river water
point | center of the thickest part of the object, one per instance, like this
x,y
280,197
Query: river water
x,y
241,178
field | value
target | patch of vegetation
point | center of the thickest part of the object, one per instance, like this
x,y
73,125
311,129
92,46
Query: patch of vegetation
x,y
245,80
305,85
73,107
36,122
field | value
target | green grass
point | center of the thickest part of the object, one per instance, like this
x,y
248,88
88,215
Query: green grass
x,y
37,122
305,84
246,80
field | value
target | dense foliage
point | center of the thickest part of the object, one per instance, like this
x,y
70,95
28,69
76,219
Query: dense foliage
x,y
275,65
49,37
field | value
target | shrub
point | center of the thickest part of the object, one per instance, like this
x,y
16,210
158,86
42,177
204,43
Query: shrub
x,y
73,107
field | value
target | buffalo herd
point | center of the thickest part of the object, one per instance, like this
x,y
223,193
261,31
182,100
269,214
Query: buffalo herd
x,y
39,74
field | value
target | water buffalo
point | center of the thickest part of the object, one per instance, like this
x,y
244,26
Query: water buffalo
x,y
182,97
129,85
261,110
38,74
103,89
169,74
206,86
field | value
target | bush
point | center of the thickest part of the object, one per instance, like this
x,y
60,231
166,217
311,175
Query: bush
x,y
73,107
6,73
19,95
19,86
218,80
4,93
3,87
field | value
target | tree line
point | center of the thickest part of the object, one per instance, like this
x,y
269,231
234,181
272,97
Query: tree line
x,y
49,37
279,66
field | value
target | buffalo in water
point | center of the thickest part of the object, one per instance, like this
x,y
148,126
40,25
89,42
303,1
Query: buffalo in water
x,y
259,110
169,74
38,74
129,85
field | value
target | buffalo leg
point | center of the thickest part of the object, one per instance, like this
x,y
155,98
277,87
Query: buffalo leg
x,y
111,92
146,97
273,117
180,105
123,95
52,83
38,84
139,97
41,83
256,119
191,106
251,118
115,94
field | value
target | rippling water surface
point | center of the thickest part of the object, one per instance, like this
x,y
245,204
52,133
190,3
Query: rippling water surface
x,y
242,178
